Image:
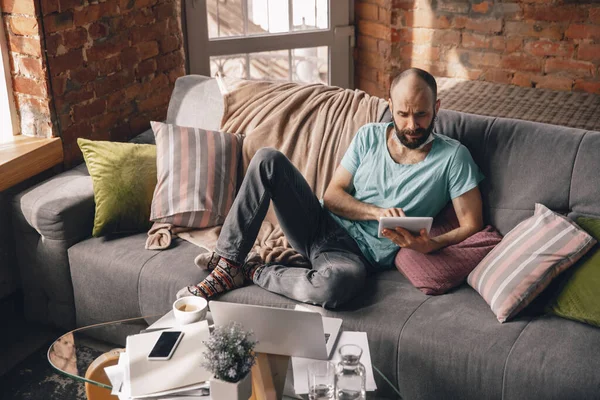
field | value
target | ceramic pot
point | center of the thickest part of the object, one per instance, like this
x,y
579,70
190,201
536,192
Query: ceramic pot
x,y
241,390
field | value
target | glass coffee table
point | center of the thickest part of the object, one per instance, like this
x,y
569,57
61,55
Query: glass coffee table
x,y
79,355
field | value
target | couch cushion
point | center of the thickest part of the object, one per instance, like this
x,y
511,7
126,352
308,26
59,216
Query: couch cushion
x,y
43,206
579,295
436,273
124,177
527,260
453,347
115,277
521,164
197,175
560,355
584,199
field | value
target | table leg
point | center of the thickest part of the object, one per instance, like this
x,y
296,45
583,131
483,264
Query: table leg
x,y
268,376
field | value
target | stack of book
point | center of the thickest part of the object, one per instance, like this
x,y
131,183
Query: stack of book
x,y
181,377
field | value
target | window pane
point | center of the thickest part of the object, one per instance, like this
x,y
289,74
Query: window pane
x,y
279,16
310,65
225,18
270,65
229,18
310,15
258,17
232,66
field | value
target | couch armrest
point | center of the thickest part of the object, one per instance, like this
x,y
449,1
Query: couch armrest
x,y
48,218
60,208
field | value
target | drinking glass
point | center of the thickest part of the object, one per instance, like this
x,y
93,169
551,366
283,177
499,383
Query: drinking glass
x,y
321,381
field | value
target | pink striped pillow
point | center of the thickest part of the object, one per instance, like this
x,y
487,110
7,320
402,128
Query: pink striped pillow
x,y
196,175
526,261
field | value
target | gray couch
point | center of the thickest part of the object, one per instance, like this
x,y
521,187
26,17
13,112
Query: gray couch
x,y
448,346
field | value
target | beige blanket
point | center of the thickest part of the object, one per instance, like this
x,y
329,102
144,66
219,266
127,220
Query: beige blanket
x,y
311,124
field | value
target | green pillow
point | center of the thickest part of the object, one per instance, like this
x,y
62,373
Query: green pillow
x,y
124,177
579,298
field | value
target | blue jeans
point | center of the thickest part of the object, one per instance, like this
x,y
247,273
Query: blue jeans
x,y
338,267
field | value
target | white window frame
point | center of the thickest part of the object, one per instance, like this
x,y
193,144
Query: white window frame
x,y
339,38
9,123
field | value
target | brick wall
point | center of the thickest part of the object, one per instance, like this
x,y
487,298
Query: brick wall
x,y
552,44
110,65
28,68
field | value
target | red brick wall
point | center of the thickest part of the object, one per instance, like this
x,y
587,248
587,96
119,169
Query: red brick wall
x,y
28,68
373,53
110,64
551,44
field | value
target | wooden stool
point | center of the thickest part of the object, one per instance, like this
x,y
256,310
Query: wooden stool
x,y
268,376
95,372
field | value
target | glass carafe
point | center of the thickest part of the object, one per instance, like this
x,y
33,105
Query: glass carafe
x,y
350,374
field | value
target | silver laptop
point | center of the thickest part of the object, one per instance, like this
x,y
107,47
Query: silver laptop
x,y
280,330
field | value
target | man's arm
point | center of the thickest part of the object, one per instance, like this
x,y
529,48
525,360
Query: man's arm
x,y
468,209
337,199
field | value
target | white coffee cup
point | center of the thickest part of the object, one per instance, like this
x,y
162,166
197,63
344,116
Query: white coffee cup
x,y
190,309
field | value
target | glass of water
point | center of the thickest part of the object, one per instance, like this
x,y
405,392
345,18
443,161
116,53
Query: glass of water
x,y
321,381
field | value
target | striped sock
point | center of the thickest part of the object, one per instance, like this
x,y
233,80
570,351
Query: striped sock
x,y
225,277
252,270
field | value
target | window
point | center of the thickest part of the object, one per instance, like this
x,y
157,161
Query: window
x,y
284,40
9,124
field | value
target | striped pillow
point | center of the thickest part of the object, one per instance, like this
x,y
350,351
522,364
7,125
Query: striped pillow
x,y
196,175
527,259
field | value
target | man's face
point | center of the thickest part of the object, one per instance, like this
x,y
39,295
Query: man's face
x,y
413,138
413,112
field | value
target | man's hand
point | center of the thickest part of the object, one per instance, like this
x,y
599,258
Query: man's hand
x,y
391,212
406,240
470,220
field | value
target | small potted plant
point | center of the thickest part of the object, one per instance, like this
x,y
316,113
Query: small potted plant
x,y
230,356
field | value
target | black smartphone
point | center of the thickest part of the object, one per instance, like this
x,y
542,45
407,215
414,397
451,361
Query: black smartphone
x,y
165,345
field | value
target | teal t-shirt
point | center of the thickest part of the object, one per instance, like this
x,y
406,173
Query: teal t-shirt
x,y
421,189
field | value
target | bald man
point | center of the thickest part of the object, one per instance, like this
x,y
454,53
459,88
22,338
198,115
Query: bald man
x,y
400,168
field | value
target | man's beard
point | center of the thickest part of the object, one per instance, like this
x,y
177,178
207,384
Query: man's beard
x,y
411,143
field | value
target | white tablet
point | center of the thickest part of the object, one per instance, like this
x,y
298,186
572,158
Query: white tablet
x,y
411,224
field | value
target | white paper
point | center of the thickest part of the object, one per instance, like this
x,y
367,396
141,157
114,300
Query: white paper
x,y
300,365
309,308
117,375
167,321
182,370
126,389
191,390
120,387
